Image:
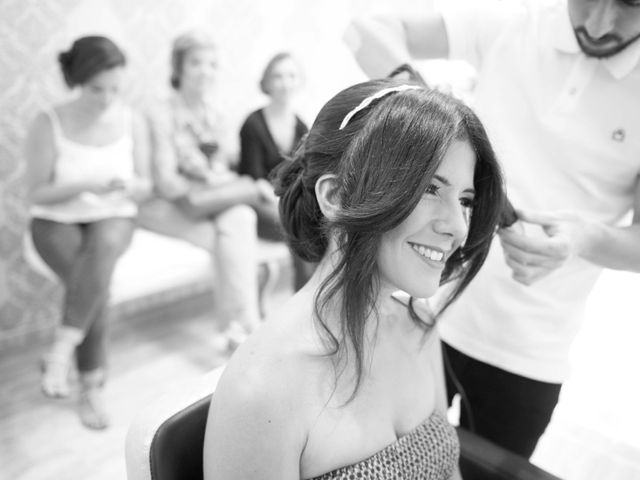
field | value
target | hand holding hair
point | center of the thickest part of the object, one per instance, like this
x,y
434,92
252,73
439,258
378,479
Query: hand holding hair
x,y
532,258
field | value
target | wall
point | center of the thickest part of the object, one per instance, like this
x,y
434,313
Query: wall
x,y
248,31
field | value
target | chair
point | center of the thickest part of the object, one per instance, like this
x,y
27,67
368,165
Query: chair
x,y
165,442
481,459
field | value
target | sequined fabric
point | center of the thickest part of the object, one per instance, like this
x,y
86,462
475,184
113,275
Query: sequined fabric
x,y
430,452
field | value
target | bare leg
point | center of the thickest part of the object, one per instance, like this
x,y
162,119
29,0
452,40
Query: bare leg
x,y
83,256
91,404
231,238
91,357
235,257
58,245
107,240
88,287
213,201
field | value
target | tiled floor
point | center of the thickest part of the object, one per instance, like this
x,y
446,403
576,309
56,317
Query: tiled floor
x,y
153,349
43,439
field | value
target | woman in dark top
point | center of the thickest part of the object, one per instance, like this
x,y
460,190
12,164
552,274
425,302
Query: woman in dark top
x,y
269,136
260,153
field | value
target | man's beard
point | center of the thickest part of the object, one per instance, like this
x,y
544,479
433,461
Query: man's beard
x,y
590,50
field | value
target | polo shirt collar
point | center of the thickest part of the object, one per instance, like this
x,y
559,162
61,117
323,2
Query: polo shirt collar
x,y
564,40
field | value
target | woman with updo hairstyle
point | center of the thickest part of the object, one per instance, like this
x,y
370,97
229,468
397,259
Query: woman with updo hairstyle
x,y
395,191
88,56
199,197
269,136
87,171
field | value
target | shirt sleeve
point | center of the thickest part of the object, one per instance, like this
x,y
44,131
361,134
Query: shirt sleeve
x,y
252,161
472,30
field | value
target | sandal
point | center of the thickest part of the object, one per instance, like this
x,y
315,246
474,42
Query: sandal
x,y
91,403
92,410
54,381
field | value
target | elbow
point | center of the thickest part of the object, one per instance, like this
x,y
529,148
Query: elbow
x,y
33,194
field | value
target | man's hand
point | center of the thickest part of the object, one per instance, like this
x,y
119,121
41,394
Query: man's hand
x,y
533,258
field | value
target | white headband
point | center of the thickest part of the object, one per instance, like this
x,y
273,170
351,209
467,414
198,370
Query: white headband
x,y
367,101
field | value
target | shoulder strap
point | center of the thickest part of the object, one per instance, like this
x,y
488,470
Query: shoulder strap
x,y
128,120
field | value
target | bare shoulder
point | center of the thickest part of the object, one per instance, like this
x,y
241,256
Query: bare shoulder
x,y
39,143
260,412
41,125
271,372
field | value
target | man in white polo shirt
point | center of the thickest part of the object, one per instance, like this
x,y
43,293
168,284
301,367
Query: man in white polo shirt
x,y
558,89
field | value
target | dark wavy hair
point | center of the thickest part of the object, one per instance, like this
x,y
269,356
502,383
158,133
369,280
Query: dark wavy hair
x,y
87,57
384,159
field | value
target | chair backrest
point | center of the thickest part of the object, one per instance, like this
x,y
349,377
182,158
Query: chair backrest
x,y
165,441
481,459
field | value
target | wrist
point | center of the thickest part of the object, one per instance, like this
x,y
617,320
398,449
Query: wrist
x,y
592,236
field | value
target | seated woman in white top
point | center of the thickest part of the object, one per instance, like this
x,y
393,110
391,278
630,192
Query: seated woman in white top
x,y
86,172
395,191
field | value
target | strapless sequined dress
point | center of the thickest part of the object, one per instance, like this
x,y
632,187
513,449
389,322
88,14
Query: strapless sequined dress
x,y
429,452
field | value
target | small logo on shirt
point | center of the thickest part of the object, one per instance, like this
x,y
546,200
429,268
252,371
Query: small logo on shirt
x,y
618,135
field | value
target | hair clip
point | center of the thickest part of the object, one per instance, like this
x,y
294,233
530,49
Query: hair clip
x,y
367,101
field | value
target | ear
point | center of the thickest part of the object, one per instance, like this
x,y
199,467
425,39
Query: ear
x,y
328,195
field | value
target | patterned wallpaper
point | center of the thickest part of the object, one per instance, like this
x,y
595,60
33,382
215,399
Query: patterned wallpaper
x,y
32,32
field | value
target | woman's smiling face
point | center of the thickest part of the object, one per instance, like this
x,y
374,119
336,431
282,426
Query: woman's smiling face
x,y
412,256
199,70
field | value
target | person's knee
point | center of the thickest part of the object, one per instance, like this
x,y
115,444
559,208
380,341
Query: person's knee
x,y
112,242
240,218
